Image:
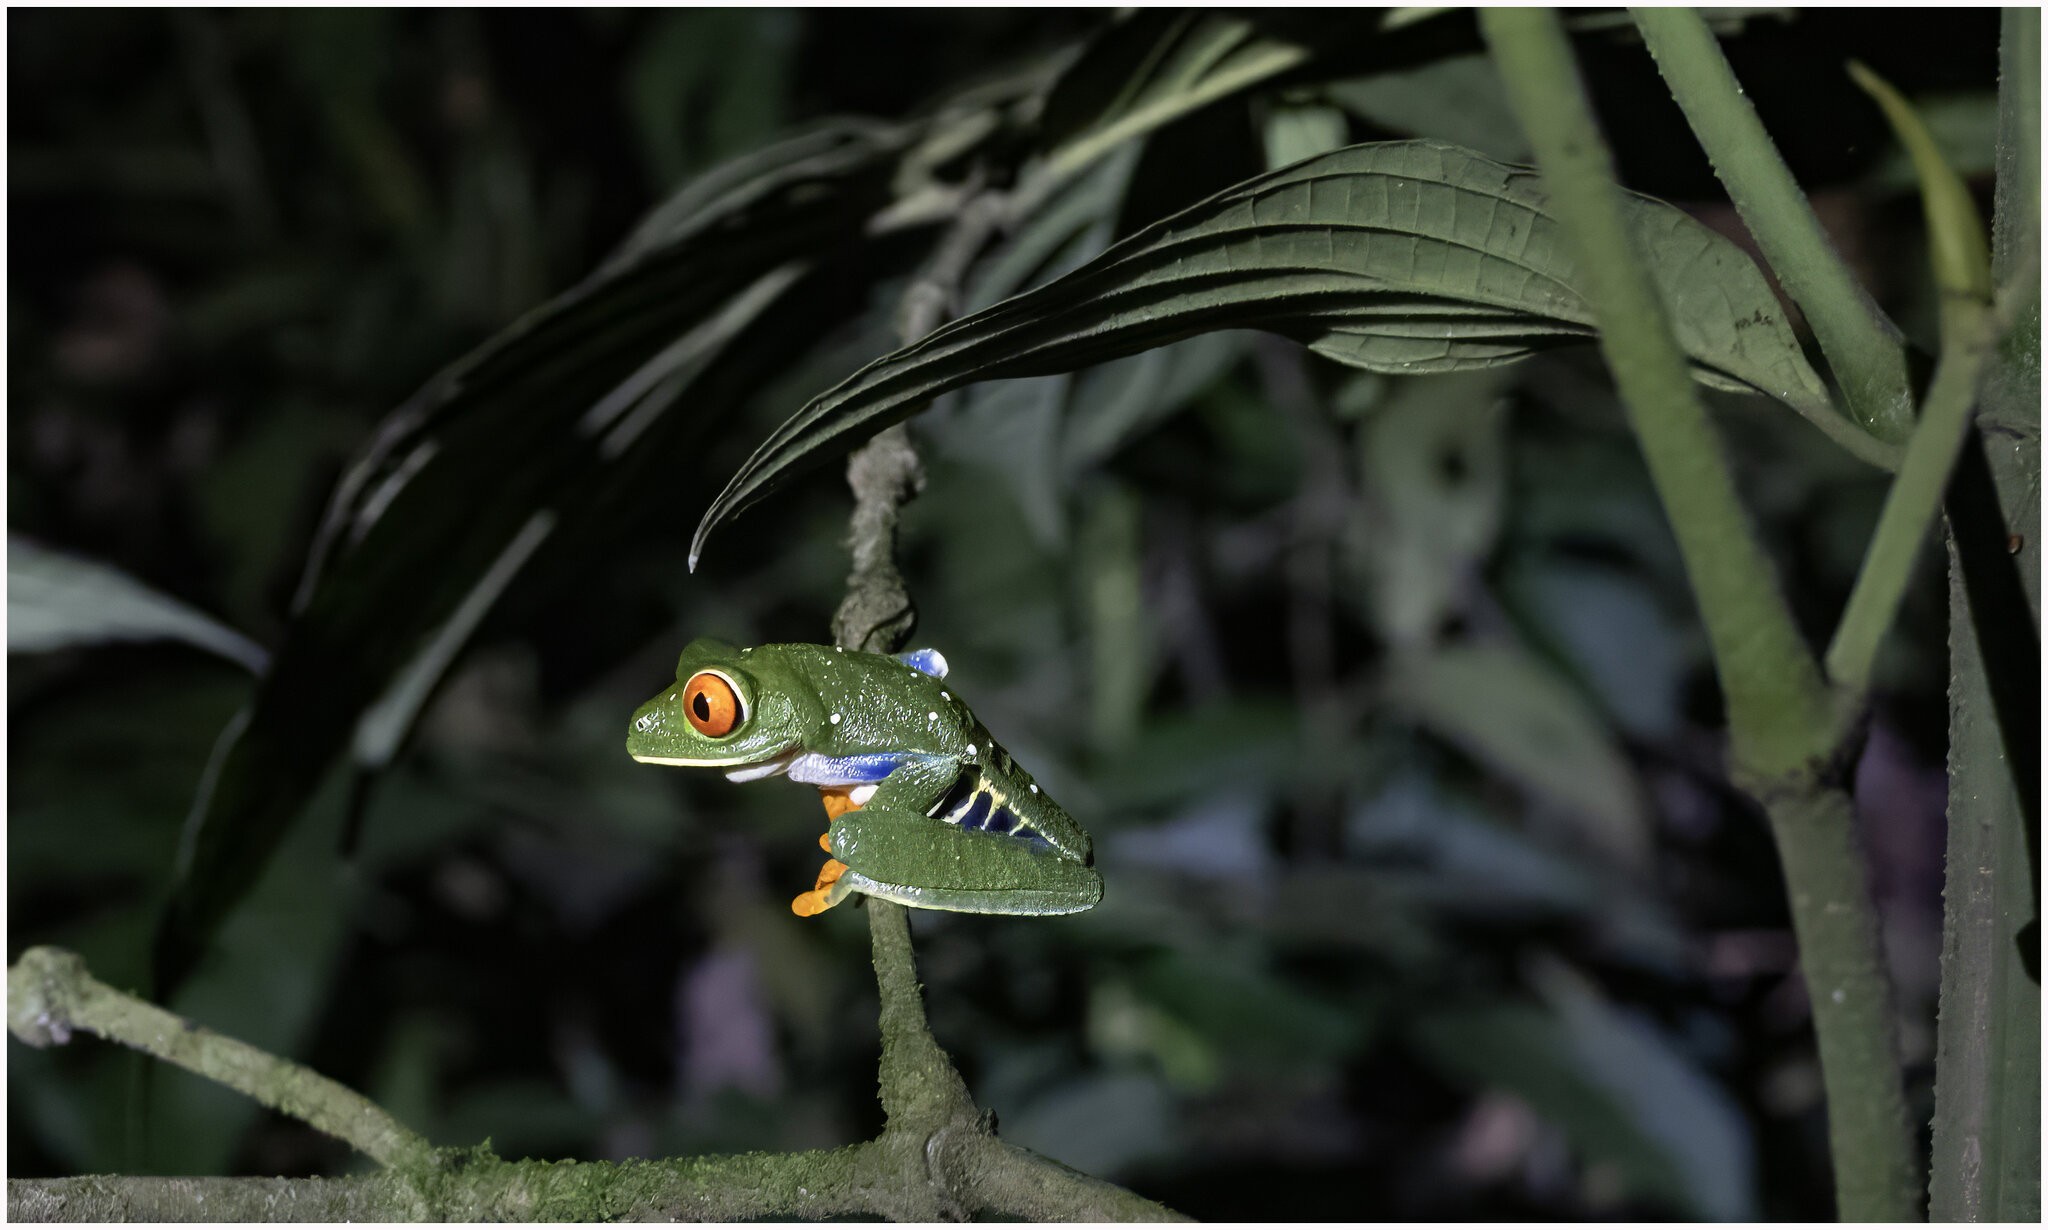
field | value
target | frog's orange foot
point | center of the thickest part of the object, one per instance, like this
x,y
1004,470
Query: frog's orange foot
x,y
825,895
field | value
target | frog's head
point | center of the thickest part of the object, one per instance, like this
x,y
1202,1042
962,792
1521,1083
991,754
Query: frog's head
x,y
743,710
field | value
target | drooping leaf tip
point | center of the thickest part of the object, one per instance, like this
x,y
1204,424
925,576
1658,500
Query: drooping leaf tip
x,y
1956,243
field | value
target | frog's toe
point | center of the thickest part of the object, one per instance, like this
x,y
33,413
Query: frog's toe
x,y
818,900
825,842
828,892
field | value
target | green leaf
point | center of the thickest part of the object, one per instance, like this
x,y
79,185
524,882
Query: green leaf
x,y
1434,463
581,413
1986,1155
1620,1090
1295,131
1955,234
1150,69
1457,99
708,84
1406,257
1515,715
55,601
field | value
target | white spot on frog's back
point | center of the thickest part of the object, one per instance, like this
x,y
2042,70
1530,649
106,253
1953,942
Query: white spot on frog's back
x,y
1034,787
970,749
933,716
835,719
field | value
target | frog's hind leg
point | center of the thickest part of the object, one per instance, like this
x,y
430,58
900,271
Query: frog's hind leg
x,y
917,860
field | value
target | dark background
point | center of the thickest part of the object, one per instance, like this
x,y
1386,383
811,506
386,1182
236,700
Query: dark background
x,y
1509,947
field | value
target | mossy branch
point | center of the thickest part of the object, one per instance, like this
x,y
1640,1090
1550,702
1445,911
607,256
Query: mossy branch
x,y
936,1158
1786,734
50,996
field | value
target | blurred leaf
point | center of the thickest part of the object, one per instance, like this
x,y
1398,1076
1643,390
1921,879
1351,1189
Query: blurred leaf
x,y
1463,859
1619,1089
1153,67
1962,126
1297,131
1188,754
708,84
1097,1124
1628,650
1433,462
1458,99
1011,433
568,412
1067,230
1115,402
1513,714
1405,257
1123,1026
1244,1009
1956,243
56,600
384,724
1120,635
340,54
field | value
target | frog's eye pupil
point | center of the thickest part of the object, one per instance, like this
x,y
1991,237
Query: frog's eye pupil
x,y
701,707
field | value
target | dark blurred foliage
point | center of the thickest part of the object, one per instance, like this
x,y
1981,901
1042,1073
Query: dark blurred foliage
x,y
1385,700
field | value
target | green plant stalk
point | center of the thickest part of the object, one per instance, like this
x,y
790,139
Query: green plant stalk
x,y
1912,501
1779,709
1986,1157
1862,345
1784,728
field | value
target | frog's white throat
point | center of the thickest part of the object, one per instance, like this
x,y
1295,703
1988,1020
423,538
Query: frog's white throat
x,y
773,767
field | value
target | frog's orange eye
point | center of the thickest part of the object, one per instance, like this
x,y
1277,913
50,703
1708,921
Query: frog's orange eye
x,y
711,704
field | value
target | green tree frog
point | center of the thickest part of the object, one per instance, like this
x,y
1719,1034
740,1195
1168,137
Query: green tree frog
x,y
923,806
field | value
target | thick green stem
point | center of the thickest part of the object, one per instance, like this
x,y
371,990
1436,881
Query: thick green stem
x,y
1862,346
1869,1136
1784,729
1779,711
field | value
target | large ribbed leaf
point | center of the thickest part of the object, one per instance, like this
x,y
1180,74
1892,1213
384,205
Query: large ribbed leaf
x,y
1405,257
547,432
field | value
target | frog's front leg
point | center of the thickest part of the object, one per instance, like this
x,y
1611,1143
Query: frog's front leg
x,y
915,783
